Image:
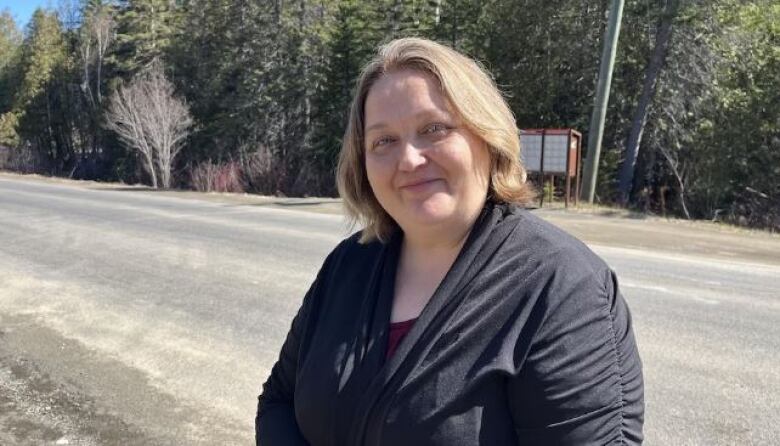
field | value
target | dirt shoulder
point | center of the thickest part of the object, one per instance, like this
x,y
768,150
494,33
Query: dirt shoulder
x,y
593,224
685,238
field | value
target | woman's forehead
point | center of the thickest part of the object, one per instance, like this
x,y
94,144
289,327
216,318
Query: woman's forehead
x,y
402,95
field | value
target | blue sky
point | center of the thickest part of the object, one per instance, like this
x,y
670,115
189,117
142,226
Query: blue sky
x,y
22,9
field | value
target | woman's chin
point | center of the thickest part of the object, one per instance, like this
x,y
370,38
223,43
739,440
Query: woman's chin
x,y
435,210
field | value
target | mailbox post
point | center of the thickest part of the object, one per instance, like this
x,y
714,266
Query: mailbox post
x,y
553,151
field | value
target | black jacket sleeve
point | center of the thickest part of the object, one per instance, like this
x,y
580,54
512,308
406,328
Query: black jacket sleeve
x,y
275,423
582,380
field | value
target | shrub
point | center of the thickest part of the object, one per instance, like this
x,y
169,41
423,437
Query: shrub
x,y
213,177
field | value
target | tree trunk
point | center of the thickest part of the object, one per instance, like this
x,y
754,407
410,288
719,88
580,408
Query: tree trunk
x,y
396,18
454,30
654,67
150,168
278,5
673,164
97,81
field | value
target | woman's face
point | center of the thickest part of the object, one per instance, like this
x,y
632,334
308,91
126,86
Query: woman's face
x,y
425,168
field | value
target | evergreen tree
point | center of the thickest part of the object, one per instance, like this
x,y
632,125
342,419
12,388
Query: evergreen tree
x,y
42,98
10,44
10,58
356,33
146,30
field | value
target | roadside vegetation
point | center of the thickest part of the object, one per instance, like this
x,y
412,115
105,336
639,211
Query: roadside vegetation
x,y
257,91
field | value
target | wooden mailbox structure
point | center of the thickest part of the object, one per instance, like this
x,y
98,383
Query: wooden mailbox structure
x,y
553,152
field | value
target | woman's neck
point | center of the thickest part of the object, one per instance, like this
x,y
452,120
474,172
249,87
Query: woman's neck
x,y
434,250
436,243
441,238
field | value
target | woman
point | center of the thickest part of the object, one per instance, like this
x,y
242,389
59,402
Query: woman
x,y
454,317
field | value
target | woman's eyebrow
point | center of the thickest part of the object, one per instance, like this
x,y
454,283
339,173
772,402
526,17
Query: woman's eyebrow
x,y
423,114
376,126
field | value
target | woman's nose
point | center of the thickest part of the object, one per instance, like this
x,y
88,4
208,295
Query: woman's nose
x,y
411,156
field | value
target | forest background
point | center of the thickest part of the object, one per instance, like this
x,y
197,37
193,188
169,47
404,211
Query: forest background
x,y
266,85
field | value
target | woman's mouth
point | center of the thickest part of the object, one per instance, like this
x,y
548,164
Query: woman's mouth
x,y
420,185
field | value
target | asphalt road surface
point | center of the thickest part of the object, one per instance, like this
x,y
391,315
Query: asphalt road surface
x,y
132,317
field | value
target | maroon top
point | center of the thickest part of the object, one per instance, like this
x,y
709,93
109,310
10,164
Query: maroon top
x,y
397,332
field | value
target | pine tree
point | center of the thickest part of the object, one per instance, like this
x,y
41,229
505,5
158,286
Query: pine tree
x,y
41,101
10,45
146,31
10,59
357,31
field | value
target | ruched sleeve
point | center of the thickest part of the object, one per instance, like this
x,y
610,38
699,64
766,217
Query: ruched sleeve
x,y
581,383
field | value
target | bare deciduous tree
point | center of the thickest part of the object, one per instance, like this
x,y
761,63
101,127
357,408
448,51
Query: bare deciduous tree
x,y
679,172
149,118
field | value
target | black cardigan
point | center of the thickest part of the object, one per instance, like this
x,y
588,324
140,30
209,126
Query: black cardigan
x,y
526,341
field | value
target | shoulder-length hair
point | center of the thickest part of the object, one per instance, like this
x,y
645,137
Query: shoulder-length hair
x,y
473,96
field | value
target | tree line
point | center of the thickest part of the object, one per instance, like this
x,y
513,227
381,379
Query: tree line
x,y
262,90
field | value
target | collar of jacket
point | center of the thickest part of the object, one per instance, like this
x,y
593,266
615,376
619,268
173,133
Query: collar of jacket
x,y
485,239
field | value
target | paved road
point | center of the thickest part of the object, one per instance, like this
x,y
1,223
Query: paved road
x,y
129,317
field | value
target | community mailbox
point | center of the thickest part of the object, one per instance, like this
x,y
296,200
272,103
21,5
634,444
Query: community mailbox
x,y
553,152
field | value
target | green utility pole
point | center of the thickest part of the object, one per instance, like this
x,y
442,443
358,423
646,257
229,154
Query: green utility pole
x,y
602,96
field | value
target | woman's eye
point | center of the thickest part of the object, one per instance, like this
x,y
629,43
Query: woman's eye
x,y
382,141
436,128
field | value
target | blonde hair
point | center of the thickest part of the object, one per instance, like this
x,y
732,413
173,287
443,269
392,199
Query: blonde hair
x,y
474,97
